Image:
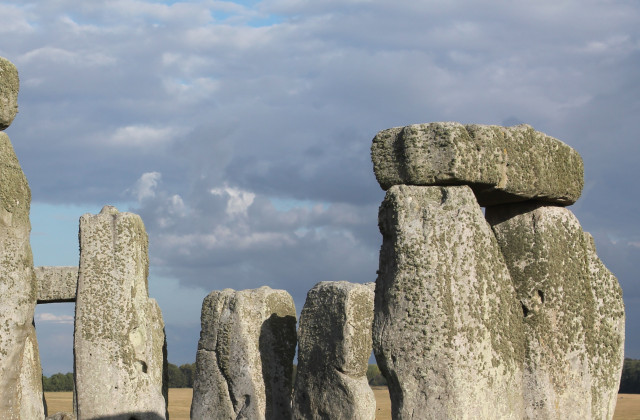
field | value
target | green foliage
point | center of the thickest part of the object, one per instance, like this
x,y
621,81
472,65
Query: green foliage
x,y
374,376
630,381
181,377
58,382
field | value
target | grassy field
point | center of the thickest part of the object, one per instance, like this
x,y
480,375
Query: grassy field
x,y
628,407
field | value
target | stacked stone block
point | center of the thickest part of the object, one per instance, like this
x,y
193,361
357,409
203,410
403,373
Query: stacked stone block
x,y
244,361
525,305
20,373
119,341
334,345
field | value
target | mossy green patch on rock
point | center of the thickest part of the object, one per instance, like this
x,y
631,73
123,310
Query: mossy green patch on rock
x,y
572,311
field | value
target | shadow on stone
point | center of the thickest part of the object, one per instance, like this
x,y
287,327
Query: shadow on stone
x,y
276,354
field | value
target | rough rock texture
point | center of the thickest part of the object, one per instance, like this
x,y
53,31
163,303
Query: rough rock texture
x,y
9,86
333,353
56,284
245,355
502,164
62,416
573,312
20,373
119,341
447,330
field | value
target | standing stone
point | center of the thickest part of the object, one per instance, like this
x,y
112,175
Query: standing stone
x,y
573,312
119,342
20,372
9,86
447,330
245,356
333,353
501,164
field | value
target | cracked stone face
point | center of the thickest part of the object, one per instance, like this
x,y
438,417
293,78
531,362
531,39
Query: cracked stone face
x,y
244,361
333,353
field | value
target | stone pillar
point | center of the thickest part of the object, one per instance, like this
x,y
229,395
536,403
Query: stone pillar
x,y
333,353
447,331
20,372
245,356
573,312
119,342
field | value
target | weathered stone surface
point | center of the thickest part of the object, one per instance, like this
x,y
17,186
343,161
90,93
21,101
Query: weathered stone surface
x,y
9,86
501,164
56,284
245,355
447,330
119,342
573,312
20,372
333,353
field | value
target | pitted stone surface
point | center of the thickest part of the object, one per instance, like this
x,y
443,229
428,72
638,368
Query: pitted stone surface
x,y
573,312
245,355
56,284
119,342
20,372
333,353
501,164
447,330
9,86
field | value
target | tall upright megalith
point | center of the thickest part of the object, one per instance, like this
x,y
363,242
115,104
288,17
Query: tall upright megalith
x,y
573,312
245,356
447,331
334,346
119,341
20,372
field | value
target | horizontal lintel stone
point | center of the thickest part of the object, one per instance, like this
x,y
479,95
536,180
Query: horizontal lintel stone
x,y
56,284
500,164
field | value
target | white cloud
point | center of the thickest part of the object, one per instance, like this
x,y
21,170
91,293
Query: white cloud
x,y
238,201
143,136
145,186
55,319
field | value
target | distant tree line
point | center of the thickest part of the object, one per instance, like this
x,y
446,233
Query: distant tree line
x,y
182,377
630,381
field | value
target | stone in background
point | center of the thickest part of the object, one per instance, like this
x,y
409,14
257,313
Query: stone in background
x,y
333,353
56,284
447,331
245,355
119,342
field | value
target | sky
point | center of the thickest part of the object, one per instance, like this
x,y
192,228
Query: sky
x,y
240,131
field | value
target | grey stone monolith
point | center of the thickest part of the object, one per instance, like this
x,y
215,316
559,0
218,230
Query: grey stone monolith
x,y
9,86
56,284
447,330
20,372
501,164
244,361
119,341
334,346
573,312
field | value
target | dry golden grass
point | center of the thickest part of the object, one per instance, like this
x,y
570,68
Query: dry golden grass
x,y
628,407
